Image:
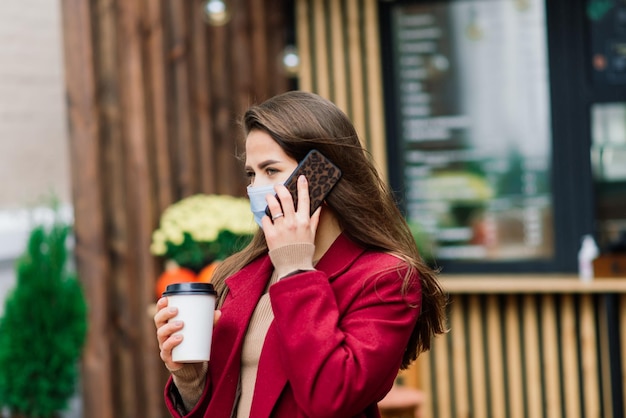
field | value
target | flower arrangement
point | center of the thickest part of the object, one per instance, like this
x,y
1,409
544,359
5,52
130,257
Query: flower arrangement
x,y
200,230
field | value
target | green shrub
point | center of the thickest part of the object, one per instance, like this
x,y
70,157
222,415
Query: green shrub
x,y
43,329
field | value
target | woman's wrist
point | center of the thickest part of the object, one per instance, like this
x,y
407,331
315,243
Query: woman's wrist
x,y
190,371
292,257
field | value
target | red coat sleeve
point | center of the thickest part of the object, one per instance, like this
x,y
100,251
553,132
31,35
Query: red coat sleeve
x,y
342,339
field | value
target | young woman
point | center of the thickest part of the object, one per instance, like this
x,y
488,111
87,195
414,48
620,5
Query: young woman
x,y
318,313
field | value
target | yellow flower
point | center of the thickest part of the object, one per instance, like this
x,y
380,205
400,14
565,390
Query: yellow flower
x,y
193,223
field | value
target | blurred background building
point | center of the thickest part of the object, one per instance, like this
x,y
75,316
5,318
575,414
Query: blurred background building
x,y
34,159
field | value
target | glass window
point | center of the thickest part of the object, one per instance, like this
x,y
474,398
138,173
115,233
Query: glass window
x,y
473,127
608,157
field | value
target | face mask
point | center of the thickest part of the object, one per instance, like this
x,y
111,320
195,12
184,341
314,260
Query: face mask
x,y
258,202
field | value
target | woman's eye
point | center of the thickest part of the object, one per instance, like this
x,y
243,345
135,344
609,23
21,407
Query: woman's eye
x,y
250,175
271,171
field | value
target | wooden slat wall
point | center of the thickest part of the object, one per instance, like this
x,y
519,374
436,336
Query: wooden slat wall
x,y
338,42
527,356
153,95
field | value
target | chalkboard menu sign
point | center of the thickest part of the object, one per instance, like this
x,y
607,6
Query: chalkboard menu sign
x,y
472,128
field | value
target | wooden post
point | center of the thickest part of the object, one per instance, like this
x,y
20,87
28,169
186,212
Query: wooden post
x,y
89,228
140,214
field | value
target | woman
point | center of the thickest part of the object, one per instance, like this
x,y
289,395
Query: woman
x,y
319,312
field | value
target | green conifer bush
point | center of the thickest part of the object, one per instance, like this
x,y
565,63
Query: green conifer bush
x,y
42,330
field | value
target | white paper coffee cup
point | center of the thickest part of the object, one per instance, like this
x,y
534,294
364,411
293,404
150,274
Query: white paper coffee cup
x,y
196,308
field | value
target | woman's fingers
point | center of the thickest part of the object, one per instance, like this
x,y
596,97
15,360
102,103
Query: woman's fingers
x,y
164,313
283,201
286,204
274,206
315,220
304,205
166,327
165,331
293,226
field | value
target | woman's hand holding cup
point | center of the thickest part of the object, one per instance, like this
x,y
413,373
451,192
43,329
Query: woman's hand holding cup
x,y
169,333
165,329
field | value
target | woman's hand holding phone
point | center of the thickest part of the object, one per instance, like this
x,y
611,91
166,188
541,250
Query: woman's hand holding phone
x,y
294,225
321,174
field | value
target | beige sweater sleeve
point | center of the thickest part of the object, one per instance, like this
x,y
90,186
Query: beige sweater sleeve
x,y
292,257
189,381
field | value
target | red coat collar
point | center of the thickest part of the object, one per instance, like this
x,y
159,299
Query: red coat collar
x,y
339,257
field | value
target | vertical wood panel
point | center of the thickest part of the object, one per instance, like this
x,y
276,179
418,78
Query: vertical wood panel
x,y
375,100
114,175
591,382
222,113
622,336
242,72
340,96
180,56
441,371
139,209
303,34
280,15
514,359
355,55
543,372
495,356
116,172
604,357
259,49
340,57
87,192
411,376
155,51
478,381
532,364
460,344
322,76
201,94
569,355
424,381
551,357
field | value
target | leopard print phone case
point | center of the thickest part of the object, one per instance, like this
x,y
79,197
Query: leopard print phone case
x,y
321,174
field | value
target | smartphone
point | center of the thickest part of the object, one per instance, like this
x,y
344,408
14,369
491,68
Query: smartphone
x,y
321,174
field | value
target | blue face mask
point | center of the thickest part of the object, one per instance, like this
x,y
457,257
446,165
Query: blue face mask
x,y
258,202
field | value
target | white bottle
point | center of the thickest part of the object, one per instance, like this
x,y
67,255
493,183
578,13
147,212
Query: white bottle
x,y
587,253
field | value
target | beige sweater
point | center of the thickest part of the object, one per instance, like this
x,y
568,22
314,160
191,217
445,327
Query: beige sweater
x,y
189,379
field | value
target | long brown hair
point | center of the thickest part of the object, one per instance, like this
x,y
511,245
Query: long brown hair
x,y
362,201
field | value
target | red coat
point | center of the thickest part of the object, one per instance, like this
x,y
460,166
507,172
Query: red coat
x,y
334,347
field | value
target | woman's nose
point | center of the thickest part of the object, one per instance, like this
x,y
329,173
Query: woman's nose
x,y
260,182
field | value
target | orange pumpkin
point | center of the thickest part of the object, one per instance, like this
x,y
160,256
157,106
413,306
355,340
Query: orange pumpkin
x,y
206,273
173,274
